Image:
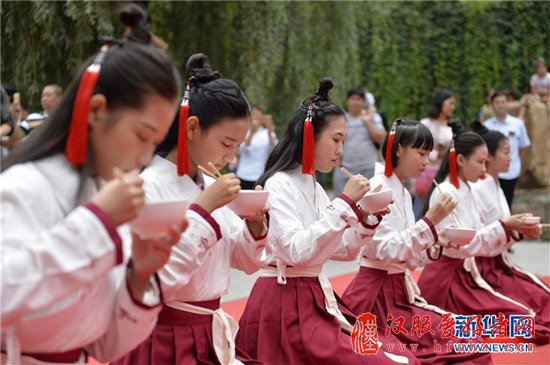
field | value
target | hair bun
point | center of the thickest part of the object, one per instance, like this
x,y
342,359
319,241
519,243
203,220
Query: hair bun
x,y
456,126
199,67
478,127
135,17
325,85
132,14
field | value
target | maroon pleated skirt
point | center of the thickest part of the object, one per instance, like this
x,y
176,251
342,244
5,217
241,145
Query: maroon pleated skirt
x,y
289,325
520,287
446,284
376,291
180,338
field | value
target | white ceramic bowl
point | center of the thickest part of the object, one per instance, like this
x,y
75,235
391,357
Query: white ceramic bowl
x,y
531,219
156,219
249,202
376,202
460,236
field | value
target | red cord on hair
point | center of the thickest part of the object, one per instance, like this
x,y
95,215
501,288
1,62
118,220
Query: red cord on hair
x,y
77,140
388,167
453,173
308,145
183,156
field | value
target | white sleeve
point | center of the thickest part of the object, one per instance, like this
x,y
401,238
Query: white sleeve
x,y
298,245
246,249
390,244
192,248
524,137
355,238
43,262
190,252
489,239
131,323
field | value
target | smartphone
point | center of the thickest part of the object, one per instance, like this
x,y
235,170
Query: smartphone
x,y
17,98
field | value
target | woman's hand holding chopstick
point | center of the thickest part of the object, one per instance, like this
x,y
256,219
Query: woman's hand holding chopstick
x,y
223,191
356,187
441,209
455,218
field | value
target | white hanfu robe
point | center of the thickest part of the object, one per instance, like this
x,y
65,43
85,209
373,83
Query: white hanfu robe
x,y
198,269
63,283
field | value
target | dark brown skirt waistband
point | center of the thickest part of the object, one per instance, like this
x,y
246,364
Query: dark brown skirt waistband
x,y
174,317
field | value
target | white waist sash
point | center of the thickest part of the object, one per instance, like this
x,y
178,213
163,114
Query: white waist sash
x,y
224,330
412,289
281,272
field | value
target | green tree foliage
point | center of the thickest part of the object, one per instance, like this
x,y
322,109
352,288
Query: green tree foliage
x,y
46,41
277,51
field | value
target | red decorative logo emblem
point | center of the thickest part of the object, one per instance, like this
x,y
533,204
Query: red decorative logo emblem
x,y
364,337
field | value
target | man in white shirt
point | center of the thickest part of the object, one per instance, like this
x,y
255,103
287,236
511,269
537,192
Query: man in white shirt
x,y
514,129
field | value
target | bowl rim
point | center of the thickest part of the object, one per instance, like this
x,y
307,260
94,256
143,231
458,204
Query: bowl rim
x,y
461,229
252,192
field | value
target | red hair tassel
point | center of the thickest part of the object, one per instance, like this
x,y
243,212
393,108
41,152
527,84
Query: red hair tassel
x,y
77,140
388,167
453,173
308,145
183,158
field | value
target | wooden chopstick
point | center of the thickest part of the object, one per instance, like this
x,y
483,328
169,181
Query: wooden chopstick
x,y
545,225
345,171
206,172
455,218
214,169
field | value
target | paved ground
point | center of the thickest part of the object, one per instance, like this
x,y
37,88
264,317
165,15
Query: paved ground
x,y
533,256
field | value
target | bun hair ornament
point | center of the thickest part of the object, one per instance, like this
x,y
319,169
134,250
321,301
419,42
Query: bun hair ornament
x,y
77,140
183,155
308,143
388,167
453,173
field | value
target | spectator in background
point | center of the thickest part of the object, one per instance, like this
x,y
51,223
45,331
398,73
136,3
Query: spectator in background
x,y
6,124
485,112
364,130
540,88
540,81
514,129
255,149
439,114
51,95
19,110
370,102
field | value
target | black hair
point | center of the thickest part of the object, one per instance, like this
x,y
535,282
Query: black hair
x,y
130,73
135,18
492,138
211,99
496,94
465,144
357,91
287,154
10,89
408,133
437,103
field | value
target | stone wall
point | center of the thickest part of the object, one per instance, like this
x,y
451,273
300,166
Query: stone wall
x,y
536,161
